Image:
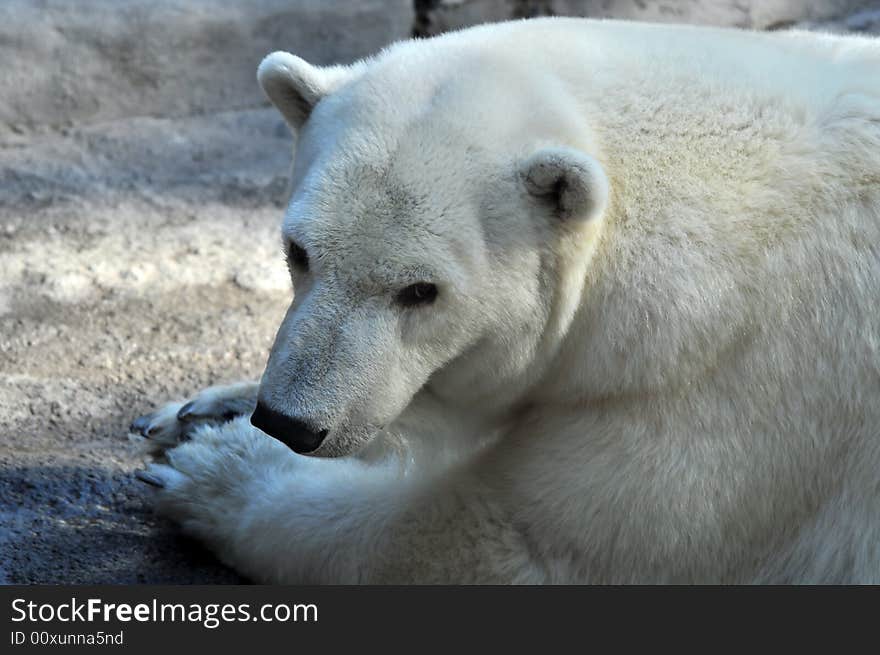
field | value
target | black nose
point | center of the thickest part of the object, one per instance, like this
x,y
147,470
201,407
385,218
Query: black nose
x,y
294,433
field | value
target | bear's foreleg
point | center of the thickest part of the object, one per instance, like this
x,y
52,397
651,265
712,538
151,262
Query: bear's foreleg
x,y
278,517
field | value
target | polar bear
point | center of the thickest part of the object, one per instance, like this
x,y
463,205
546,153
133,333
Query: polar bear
x,y
575,302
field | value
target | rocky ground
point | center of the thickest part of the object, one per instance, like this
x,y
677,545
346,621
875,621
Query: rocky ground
x,y
140,261
142,180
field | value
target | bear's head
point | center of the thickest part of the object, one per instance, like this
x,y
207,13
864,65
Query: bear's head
x,y
442,218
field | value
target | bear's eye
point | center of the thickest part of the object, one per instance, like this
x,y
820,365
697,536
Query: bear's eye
x,y
420,293
297,256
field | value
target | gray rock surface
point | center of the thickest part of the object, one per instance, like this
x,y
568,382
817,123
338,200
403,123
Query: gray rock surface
x,y
139,262
142,180
78,61
436,16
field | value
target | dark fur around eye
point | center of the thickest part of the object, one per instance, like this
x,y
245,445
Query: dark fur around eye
x,y
297,256
421,293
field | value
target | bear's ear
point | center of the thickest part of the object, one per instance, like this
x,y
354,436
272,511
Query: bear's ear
x,y
295,86
570,182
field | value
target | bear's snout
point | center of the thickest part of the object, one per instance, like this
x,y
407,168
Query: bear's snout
x,y
295,433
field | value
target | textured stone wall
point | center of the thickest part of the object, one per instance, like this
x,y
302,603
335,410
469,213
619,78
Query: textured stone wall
x,y
435,16
83,61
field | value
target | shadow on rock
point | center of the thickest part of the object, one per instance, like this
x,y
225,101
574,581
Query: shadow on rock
x,y
83,525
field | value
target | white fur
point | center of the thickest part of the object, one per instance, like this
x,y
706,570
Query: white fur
x,y
679,384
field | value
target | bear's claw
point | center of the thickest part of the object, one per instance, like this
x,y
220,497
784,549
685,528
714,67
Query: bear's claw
x,y
186,412
174,423
150,479
141,425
